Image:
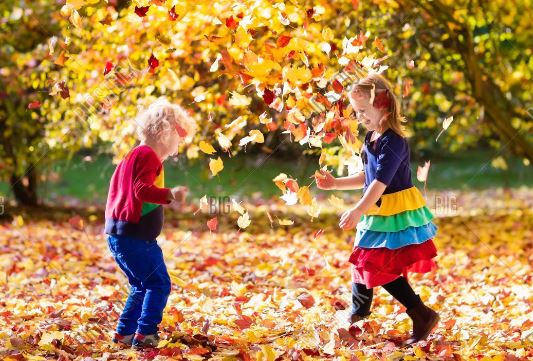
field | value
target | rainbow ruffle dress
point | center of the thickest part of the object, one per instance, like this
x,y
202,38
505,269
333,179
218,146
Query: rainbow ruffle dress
x,y
393,239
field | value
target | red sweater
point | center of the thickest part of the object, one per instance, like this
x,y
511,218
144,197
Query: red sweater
x,y
133,202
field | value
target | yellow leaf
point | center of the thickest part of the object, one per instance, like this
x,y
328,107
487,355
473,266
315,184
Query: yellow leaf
x,y
206,148
285,222
267,353
216,165
239,100
304,196
257,135
297,75
75,19
280,181
61,59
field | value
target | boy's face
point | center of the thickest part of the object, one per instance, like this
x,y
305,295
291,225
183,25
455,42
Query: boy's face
x,y
366,113
172,142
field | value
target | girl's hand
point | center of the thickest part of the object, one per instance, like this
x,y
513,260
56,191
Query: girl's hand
x,y
179,194
350,218
324,180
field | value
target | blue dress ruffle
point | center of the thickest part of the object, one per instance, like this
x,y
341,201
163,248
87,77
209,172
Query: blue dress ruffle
x,y
394,240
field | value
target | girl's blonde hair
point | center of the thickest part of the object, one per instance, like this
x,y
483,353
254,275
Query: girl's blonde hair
x,y
384,98
163,115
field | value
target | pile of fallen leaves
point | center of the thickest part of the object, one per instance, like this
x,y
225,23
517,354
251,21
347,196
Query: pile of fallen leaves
x,y
270,292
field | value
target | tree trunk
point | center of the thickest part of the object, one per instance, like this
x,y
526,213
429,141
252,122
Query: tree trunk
x,y
498,108
25,187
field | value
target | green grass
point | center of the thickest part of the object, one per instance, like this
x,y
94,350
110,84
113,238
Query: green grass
x,y
248,176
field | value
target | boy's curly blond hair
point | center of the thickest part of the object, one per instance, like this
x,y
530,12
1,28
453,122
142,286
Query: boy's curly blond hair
x,y
161,116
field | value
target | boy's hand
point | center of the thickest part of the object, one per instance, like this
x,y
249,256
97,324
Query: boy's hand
x,y
350,218
324,180
179,194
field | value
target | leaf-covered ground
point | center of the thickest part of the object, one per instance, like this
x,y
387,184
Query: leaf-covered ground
x,y
268,293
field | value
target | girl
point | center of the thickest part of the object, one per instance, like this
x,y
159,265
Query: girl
x,y
134,218
394,227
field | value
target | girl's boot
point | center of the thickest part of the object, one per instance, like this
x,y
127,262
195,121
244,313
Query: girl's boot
x,y
424,320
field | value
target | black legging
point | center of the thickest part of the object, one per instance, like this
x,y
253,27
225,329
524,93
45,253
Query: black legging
x,y
399,289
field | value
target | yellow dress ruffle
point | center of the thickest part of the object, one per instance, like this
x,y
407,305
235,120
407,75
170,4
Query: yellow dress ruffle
x,y
393,203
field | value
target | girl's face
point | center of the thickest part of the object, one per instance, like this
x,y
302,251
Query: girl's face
x,y
366,113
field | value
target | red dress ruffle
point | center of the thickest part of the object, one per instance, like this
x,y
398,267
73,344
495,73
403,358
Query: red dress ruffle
x,y
378,266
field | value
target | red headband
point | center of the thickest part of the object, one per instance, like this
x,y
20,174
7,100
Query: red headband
x,y
382,99
181,132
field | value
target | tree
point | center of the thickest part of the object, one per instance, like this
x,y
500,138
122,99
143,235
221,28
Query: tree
x,y
262,66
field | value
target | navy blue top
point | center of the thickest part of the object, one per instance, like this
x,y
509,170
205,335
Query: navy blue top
x,y
387,159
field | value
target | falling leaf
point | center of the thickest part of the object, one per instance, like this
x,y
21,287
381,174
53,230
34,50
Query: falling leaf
x,y
61,59
283,41
237,207
212,224
216,165
203,204
141,10
206,148
290,198
232,23
285,222
223,141
214,66
172,13
243,221
268,96
254,136
378,44
153,63
445,125
422,172
108,67
75,19
304,196
34,105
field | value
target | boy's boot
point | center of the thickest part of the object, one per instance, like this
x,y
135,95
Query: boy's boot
x,y
143,341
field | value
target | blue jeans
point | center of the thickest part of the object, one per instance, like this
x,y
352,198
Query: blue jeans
x,y
143,264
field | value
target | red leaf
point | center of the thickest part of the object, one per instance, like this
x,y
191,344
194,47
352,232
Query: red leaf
x,y
306,300
76,222
292,185
212,224
108,67
310,12
382,100
232,23
211,261
329,137
153,63
244,322
181,132
337,86
268,96
318,233
34,105
198,351
283,40
64,92
142,10
172,14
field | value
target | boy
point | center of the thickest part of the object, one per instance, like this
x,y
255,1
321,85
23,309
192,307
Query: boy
x,y
134,219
